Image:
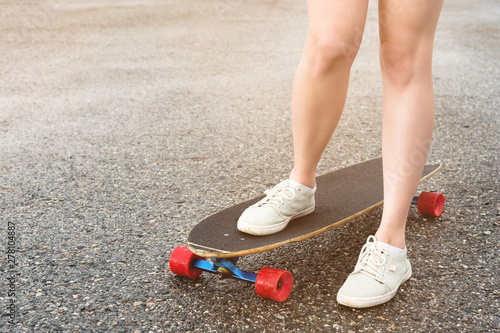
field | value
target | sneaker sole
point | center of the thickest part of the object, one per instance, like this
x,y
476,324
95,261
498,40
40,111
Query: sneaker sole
x,y
360,303
272,229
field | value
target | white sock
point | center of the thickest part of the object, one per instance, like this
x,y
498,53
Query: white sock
x,y
299,184
390,247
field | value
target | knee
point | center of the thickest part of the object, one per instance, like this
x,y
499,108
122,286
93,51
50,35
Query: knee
x,y
401,63
396,62
323,55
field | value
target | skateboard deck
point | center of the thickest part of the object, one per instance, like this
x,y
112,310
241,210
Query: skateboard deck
x,y
342,195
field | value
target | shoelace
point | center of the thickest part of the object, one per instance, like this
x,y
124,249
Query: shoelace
x,y
275,196
371,260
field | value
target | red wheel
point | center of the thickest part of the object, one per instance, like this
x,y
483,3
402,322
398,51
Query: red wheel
x,y
180,262
430,203
274,284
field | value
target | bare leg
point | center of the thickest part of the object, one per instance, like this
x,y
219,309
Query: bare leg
x,y
407,29
319,93
321,80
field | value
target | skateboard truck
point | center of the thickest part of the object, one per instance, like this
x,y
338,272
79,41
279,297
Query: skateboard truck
x,y
271,283
226,268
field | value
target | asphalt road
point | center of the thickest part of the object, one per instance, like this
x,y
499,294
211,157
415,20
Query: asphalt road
x,y
123,123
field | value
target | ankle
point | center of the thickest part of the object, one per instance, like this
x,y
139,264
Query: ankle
x,y
308,180
395,240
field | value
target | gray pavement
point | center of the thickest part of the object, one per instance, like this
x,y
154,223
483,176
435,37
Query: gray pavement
x,y
123,123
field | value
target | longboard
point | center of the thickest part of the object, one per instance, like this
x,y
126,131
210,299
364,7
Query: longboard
x,y
214,244
341,196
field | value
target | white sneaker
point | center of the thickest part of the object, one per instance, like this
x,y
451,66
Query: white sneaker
x,y
286,201
376,278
